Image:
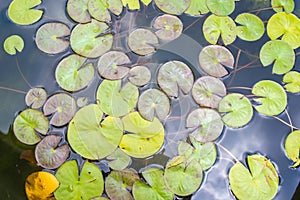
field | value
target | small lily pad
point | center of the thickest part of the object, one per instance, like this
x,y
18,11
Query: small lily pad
x,y
12,44
99,9
293,81
172,7
280,5
175,75
78,10
197,8
119,160
221,8
135,4
169,27
139,75
292,147
36,97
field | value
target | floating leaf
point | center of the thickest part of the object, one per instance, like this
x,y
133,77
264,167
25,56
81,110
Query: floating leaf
x,y
82,101
111,65
259,182
142,41
172,7
117,101
197,8
28,124
175,75
154,103
208,91
292,147
135,4
119,160
139,75
40,185
48,154
221,8
293,81
21,11
99,9
156,187
237,110
91,136
62,107
36,97
215,26
206,123
72,75
87,185
143,138
12,44
271,96
78,10
213,58
280,5
169,27
91,40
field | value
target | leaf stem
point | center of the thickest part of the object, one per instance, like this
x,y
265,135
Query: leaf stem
x,y
13,90
242,88
235,66
192,24
21,73
289,118
284,122
245,52
227,151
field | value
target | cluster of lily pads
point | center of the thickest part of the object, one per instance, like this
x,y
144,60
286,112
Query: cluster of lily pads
x,y
123,123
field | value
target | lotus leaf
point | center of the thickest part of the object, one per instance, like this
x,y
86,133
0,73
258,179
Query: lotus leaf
x,y
78,10
213,58
72,74
293,81
173,7
221,8
119,160
139,75
292,147
99,9
28,124
175,75
197,8
87,185
206,123
280,5
36,97
91,136
271,96
237,110
279,52
12,44
169,27
91,40
143,138
135,4
259,182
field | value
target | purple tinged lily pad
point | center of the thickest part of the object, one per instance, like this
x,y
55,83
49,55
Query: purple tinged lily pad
x,y
49,155
139,75
36,97
170,27
78,10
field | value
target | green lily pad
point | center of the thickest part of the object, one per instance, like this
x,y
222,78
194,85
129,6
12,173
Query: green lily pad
x,y
99,9
91,136
78,10
50,37
12,44
154,103
252,27
155,187
36,97
213,58
72,74
237,110
21,11
175,75
135,4
119,160
293,81
173,7
143,138
271,96
280,5
208,91
117,101
292,147
28,124
139,75
91,39
197,8
286,26
221,8
279,52
215,27
48,154
259,182
207,123
87,185
169,27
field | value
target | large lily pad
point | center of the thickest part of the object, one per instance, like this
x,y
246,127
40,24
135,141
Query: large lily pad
x,y
119,160
78,10
293,81
139,75
280,5
221,8
175,75
28,124
85,186
135,4
91,136
271,96
213,58
143,138
12,44
197,8
172,7
259,182
99,9
36,97
169,27
292,147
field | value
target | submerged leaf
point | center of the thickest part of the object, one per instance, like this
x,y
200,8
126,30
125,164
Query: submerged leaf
x,y
36,97
139,75
12,44
292,147
197,8
169,27
293,81
78,10
221,8
119,160
280,5
172,7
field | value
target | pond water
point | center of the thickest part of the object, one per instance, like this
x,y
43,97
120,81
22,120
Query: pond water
x,y
263,135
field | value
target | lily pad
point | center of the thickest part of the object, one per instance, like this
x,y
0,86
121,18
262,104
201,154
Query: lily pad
x,y
215,27
36,97
50,37
28,124
72,74
48,154
293,81
280,5
99,9
135,4
117,101
21,11
213,58
207,123
91,136
78,10
119,160
85,186
197,8
142,41
169,27
92,39
112,65
259,182
221,8
154,103
82,101
172,7
271,96
12,44
139,75
292,147
237,110
62,107
208,91
175,75
143,138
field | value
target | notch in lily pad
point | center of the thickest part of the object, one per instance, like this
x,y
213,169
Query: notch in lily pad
x,y
139,75
36,97
292,147
283,5
12,44
100,10
118,160
292,80
221,8
197,8
78,10
169,27
174,8
135,4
